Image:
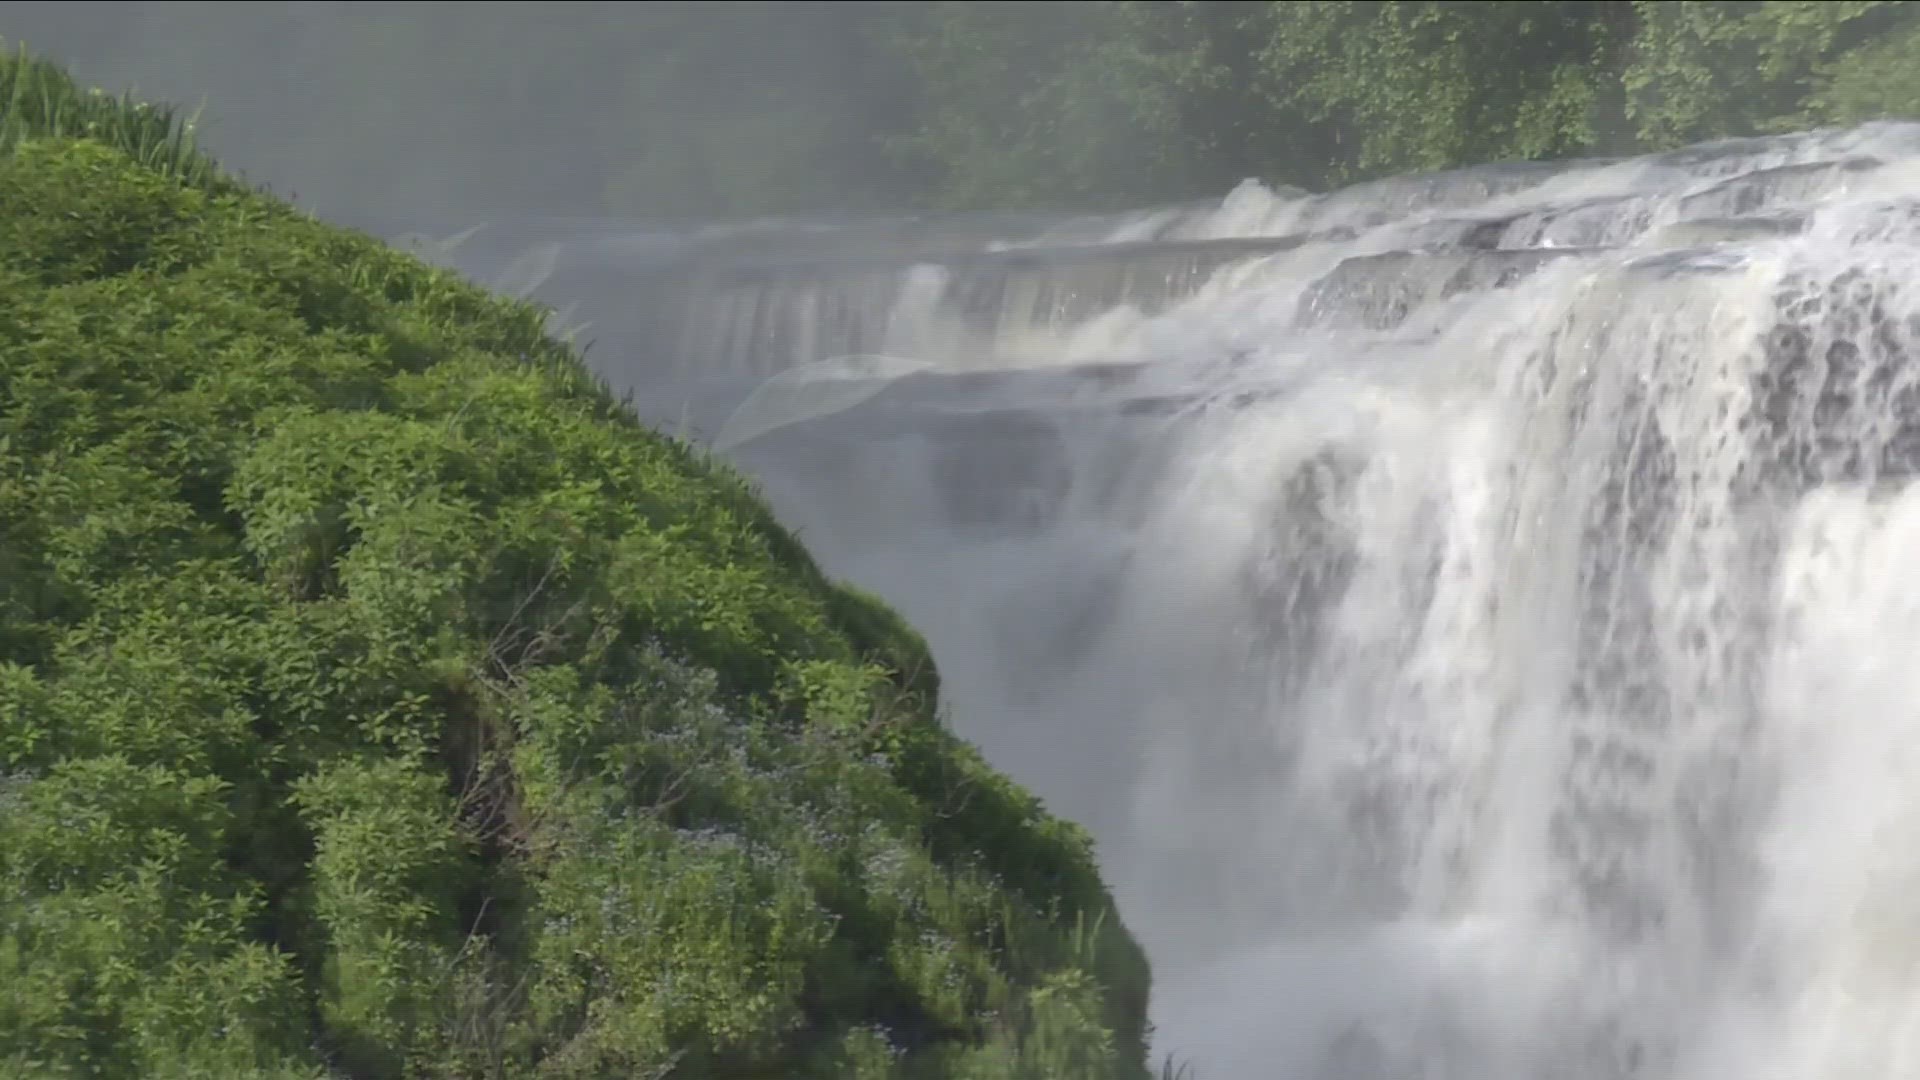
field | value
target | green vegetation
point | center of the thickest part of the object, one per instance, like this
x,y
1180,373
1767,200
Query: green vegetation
x,y
1124,101
679,108
378,699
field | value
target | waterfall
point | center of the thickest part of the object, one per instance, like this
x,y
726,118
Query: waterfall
x,y
1478,615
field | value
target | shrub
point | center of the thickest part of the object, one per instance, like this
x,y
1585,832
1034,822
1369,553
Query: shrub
x,y
379,699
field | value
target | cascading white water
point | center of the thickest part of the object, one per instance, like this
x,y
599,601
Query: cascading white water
x,y
1482,632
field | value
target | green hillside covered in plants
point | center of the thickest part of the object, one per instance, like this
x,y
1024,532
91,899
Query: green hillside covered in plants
x,y
378,699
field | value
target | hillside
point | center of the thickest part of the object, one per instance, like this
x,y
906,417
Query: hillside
x,y
378,699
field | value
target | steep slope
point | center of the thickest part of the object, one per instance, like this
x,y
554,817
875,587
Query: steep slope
x,y
379,699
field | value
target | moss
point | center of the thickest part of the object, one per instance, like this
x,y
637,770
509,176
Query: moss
x,y
379,699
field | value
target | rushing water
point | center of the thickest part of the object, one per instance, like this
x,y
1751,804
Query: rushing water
x,y
1478,615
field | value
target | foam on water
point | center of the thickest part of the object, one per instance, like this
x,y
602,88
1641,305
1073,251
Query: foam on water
x,y
1473,663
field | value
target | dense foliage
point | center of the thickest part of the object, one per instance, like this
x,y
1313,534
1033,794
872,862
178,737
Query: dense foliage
x,y
377,699
685,108
1143,99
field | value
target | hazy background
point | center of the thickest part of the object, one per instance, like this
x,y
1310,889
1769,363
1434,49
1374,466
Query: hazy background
x,y
457,111
450,112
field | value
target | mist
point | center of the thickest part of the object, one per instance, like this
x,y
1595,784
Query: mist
x,y
457,113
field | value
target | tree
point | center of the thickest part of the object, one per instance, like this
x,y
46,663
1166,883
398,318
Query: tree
x,y
1709,70
1396,87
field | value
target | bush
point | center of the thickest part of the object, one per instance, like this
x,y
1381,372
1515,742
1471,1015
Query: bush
x,y
378,699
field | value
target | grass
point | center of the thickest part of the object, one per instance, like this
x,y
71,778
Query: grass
x,y
42,102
